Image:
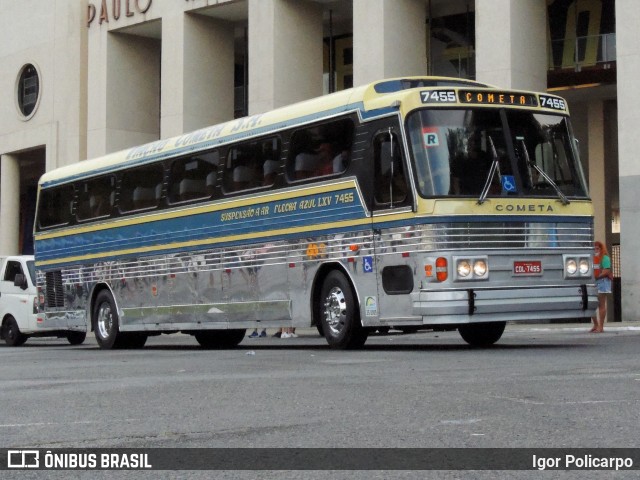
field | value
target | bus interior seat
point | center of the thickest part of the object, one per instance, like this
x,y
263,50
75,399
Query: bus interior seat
x,y
191,188
306,165
144,197
270,170
242,177
210,182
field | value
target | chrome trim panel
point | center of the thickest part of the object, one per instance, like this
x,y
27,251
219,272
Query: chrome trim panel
x,y
509,303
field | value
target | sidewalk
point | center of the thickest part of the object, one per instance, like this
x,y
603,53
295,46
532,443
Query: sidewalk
x,y
573,327
511,326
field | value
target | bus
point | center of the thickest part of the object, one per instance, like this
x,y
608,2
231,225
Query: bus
x,y
419,203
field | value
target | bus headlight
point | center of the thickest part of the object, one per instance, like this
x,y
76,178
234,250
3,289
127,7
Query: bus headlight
x,y
472,268
480,268
464,268
583,267
576,266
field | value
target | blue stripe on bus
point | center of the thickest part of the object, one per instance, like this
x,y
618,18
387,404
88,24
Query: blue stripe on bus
x,y
259,218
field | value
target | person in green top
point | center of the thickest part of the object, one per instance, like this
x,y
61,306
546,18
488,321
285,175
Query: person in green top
x,y
602,273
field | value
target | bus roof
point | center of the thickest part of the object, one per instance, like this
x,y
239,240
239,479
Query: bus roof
x,y
374,97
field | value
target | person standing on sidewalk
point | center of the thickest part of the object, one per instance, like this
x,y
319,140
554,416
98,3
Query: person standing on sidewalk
x,y
602,273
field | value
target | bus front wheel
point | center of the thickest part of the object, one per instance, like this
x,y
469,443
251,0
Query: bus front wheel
x,y
482,334
339,313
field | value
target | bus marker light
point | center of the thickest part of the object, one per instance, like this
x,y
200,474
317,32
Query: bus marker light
x,y
354,248
441,269
405,254
292,265
428,270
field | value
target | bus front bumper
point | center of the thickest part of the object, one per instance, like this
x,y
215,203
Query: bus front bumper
x,y
471,305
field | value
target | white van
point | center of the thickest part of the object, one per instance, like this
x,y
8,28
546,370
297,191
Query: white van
x,y
19,305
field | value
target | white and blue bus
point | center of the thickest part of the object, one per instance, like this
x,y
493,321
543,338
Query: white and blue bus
x,y
421,203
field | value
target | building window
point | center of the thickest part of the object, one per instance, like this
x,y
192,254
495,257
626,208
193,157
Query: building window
x,y
28,90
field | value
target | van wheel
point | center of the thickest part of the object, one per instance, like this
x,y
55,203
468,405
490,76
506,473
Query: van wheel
x,y
76,338
340,313
220,338
482,334
106,323
12,334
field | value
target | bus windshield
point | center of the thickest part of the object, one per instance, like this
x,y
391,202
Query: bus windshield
x,y
475,152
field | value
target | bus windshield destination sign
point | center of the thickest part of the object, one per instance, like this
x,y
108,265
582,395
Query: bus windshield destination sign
x,y
498,98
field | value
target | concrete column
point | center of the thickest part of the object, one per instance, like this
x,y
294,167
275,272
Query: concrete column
x,y
198,64
389,39
9,205
172,76
285,53
133,91
597,169
628,65
208,72
511,43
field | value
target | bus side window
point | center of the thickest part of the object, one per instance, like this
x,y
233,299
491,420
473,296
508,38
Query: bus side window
x,y
55,206
320,150
252,165
193,178
390,186
141,188
96,198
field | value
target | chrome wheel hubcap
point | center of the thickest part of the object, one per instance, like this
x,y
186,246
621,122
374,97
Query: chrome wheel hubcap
x,y
105,320
335,310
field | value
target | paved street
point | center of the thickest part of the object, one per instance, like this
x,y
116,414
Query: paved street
x,y
540,386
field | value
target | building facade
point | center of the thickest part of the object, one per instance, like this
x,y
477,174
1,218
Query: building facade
x,y
80,79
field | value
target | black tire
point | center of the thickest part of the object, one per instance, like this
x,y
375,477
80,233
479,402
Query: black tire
x,y
220,338
12,334
106,323
76,338
319,328
482,334
133,340
339,313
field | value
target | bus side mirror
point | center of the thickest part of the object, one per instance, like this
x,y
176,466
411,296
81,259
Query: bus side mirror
x,y
21,281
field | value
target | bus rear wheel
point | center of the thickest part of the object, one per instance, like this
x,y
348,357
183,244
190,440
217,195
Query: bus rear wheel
x,y
339,313
106,323
12,334
482,334
220,338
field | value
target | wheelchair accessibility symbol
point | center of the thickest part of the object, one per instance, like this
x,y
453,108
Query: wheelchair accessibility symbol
x,y
508,183
367,264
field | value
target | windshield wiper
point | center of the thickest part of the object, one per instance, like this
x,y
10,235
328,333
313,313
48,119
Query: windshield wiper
x,y
495,166
563,198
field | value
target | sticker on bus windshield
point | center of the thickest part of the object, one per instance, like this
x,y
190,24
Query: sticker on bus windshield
x,y
430,135
509,184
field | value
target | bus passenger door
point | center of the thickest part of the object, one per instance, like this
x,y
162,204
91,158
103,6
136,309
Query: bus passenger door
x,y
392,231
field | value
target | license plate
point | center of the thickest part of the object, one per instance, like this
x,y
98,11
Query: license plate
x,y
530,267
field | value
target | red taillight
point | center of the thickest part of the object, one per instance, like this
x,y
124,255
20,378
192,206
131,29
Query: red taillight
x,y
441,269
